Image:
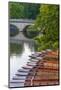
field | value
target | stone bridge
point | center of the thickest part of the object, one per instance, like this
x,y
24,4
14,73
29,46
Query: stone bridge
x,y
21,23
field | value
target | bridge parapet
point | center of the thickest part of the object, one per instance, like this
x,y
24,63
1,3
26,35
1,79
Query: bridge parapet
x,y
21,20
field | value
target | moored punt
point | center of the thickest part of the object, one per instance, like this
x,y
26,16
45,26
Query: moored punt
x,y
45,71
34,60
42,52
45,82
23,70
52,54
42,69
16,82
48,60
49,64
39,58
27,67
51,57
42,79
37,54
38,80
39,75
30,71
31,64
20,75
25,73
16,78
34,56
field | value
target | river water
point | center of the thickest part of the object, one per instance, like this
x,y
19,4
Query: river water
x,y
18,60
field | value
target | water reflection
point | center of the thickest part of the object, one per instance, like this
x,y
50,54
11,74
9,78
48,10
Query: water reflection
x,y
19,56
16,49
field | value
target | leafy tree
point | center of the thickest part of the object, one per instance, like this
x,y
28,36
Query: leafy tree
x,y
23,10
48,24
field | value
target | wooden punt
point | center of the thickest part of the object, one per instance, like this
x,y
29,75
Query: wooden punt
x,y
34,60
45,72
43,69
16,78
22,73
16,82
23,70
31,62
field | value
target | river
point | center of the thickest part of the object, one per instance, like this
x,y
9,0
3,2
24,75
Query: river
x,y
18,60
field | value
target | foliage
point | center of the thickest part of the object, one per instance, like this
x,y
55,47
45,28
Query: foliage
x,y
30,31
23,10
48,24
56,45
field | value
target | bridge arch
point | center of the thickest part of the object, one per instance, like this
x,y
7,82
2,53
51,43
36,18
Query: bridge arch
x,y
13,30
21,24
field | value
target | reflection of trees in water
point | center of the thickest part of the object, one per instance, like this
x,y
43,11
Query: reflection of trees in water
x,y
31,46
16,48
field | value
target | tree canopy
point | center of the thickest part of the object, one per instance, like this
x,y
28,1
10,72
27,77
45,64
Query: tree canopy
x,y
48,23
23,10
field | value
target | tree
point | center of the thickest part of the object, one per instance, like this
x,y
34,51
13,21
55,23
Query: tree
x,y
48,23
23,10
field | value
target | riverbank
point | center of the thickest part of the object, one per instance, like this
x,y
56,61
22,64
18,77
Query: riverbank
x,y
45,71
